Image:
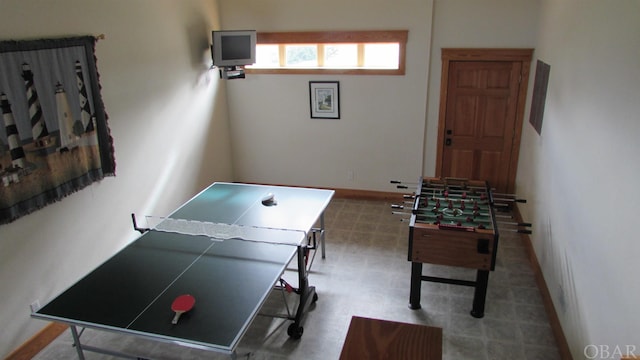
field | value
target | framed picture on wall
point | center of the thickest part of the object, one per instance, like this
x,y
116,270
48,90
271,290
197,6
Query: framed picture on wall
x,y
324,98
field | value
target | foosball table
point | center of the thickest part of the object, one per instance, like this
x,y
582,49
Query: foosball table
x,y
453,222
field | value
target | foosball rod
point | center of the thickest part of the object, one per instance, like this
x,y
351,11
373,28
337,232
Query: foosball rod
x,y
441,188
467,201
430,185
477,220
516,230
473,196
422,211
508,223
433,189
502,203
502,196
448,217
464,213
436,184
427,212
410,203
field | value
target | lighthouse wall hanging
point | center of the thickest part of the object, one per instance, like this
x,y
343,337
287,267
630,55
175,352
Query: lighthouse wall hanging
x,y
54,136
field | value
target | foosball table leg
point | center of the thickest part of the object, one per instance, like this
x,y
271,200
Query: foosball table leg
x,y
480,294
416,284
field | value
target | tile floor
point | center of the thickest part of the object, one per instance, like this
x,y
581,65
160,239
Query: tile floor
x,y
366,273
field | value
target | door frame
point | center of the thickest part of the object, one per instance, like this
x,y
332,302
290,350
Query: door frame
x,y
486,54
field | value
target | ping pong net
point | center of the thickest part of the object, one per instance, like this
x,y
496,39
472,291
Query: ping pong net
x,y
221,231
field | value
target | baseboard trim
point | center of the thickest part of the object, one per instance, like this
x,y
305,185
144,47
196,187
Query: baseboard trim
x,y
352,193
37,342
554,321
368,195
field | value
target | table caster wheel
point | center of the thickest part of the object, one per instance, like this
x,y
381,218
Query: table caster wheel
x,y
295,331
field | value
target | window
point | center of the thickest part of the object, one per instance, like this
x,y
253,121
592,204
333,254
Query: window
x,y
331,52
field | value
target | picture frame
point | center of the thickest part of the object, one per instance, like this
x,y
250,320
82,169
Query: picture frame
x,y
324,99
56,138
539,95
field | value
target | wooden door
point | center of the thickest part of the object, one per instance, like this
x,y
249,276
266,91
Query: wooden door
x,y
482,106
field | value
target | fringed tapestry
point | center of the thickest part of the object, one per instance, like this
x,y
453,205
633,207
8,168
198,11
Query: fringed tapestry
x,y
54,137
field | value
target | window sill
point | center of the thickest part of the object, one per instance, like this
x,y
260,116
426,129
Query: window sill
x,y
290,71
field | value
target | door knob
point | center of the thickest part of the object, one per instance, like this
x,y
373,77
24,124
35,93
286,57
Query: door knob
x,y
447,142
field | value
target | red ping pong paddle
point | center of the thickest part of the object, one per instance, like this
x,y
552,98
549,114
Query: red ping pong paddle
x,y
182,304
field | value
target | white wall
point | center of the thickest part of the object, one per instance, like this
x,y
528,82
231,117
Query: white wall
x,y
581,174
169,123
380,134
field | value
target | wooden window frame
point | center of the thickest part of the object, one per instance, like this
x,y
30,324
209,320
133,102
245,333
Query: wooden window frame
x,y
335,37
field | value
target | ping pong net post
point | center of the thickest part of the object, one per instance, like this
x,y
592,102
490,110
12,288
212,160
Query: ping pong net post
x,y
135,225
221,232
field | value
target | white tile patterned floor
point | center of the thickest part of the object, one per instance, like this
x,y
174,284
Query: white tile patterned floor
x,y
366,273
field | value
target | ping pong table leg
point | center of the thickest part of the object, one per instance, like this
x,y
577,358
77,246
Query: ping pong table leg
x,y
80,349
307,295
322,234
76,341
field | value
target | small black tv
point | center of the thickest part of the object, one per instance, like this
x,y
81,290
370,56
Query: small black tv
x,y
233,48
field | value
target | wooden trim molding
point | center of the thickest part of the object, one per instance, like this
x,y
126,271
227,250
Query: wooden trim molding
x,y
37,342
368,195
554,321
327,71
486,54
352,193
310,37
333,37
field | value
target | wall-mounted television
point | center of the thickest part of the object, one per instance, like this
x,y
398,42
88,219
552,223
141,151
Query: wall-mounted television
x,y
233,48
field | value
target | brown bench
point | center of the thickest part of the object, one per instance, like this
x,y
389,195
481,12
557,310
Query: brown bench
x,y
383,339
